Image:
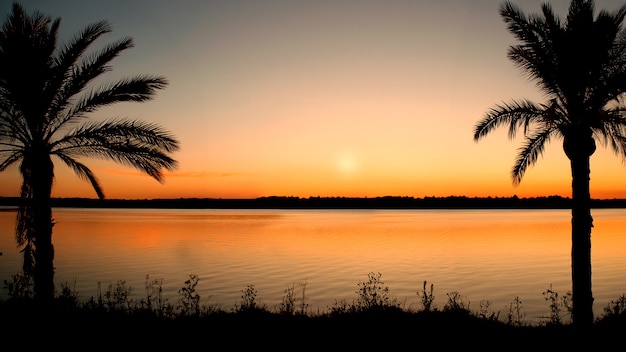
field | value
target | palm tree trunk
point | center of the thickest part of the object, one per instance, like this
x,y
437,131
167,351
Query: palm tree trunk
x,y
43,275
40,175
582,222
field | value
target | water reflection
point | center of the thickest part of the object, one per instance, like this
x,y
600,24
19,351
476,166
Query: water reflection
x,y
493,255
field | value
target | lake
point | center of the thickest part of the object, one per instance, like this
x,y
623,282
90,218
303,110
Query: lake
x,y
491,256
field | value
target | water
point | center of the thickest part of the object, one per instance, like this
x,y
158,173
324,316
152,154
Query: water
x,y
490,256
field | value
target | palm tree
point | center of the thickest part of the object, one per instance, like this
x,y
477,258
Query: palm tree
x,y
43,110
580,65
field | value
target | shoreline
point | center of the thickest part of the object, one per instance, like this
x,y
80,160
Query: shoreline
x,y
285,202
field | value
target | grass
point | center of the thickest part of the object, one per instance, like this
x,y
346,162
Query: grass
x,y
373,320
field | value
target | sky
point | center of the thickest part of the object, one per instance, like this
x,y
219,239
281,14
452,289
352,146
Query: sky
x,y
320,98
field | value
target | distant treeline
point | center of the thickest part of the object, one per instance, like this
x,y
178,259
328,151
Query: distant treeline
x,y
278,202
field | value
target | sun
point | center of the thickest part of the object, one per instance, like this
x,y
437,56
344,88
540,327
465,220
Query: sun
x,y
346,164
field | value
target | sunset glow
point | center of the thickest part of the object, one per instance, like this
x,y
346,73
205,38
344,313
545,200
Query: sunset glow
x,y
321,98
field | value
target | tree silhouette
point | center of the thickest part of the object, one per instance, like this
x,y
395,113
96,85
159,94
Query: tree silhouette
x,y
580,66
44,104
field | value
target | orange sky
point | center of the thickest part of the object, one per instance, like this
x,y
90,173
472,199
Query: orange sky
x,y
321,98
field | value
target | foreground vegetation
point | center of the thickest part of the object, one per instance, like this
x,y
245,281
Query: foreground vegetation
x,y
374,319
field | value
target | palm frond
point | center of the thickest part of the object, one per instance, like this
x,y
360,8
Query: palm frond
x,y
39,28
514,115
83,172
122,132
612,130
580,14
515,20
77,46
63,84
533,55
621,149
141,145
78,79
151,161
529,153
13,125
13,157
94,65
138,89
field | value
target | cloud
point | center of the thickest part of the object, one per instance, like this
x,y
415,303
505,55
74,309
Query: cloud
x,y
204,174
189,174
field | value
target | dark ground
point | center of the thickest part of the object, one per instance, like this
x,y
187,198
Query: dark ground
x,y
80,329
279,202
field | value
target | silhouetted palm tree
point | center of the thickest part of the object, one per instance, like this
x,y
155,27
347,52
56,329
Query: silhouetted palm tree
x,y
43,110
580,65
